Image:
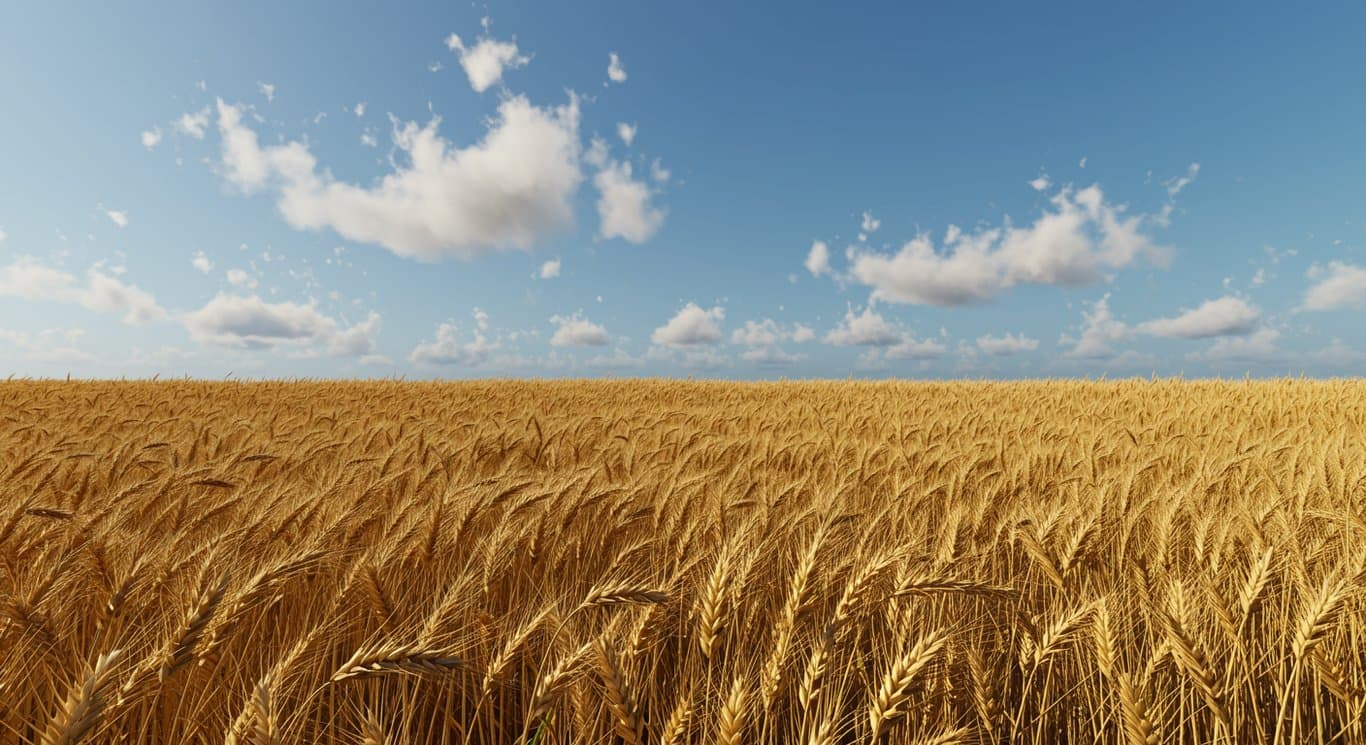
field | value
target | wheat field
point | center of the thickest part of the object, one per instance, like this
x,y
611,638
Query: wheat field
x,y
679,562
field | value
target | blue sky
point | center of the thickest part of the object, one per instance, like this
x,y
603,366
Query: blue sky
x,y
749,191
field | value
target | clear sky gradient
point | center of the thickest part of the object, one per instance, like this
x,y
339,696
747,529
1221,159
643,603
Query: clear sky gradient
x,y
736,190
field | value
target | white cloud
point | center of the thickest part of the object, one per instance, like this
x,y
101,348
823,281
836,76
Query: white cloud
x,y
1225,316
1007,344
910,348
1074,243
108,294
239,278
627,132
1041,183
248,322
769,332
818,259
577,331
368,139
201,262
53,346
658,172
867,329
1100,330
1338,354
508,190
615,70
550,269
193,124
758,334
447,349
691,326
485,62
762,339
624,208
1339,285
267,90
359,110
1175,185
358,341
1259,346
29,279
1082,163
151,137
771,356
117,217
869,224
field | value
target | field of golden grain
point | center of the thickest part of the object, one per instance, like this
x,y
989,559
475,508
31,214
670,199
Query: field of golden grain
x,y
675,562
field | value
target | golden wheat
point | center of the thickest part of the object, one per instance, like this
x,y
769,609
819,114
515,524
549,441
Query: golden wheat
x,y
1143,561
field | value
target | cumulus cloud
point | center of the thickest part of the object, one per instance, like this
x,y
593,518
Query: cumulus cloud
x,y
448,349
1041,183
818,259
1100,331
1075,242
658,173
117,217
768,332
889,340
866,329
107,294
691,326
514,186
771,356
577,331
1338,355
32,280
869,224
616,72
624,209
239,278
763,337
1225,316
247,321
757,334
49,345
151,137
201,262
627,132
193,123
550,269
267,90
1008,344
485,62
1259,346
357,340
910,348
1339,285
